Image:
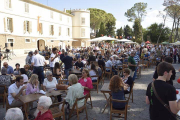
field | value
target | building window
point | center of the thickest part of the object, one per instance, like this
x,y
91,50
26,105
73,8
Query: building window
x,y
27,7
59,31
10,24
8,3
68,31
27,40
82,32
60,17
40,28
51,30
52,40
83,21
27,26
10,41
51,14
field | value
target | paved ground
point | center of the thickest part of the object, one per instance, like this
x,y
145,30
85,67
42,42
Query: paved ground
x,y
138,109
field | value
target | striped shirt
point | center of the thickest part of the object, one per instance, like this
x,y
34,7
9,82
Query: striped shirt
x,y
136,58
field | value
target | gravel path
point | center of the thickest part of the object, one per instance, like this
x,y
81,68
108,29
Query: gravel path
x,y
138,109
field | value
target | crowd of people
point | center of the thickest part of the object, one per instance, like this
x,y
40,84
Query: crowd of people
x,y
93,61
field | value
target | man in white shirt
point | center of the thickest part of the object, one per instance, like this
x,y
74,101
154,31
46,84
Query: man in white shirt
x,y
14,91
54,58
38,61
110,64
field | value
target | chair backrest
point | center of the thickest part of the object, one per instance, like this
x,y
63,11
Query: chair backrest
x,y
7,102
119,101
131,91
109,69
78,99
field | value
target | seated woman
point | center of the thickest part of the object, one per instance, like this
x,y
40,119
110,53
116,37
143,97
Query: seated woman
x,y
74,91
117,91
4,79
33,85
17,69
28,71
128,80
88,65
50,82
86,81
57,70
43,107
23,74
93,72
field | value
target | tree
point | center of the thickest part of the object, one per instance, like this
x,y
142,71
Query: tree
x,y
102,30
137,31
119,32
127,31
154,31
138,11
110,28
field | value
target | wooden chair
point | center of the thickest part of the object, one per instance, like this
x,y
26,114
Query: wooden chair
x,y
131,93
56,112
120,71
108,73
96,83
77,110
89,96
4,93
7,102
116,111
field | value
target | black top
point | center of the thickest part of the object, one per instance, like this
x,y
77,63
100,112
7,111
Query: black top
x,y
92,58
173,76
167,93
129,81
67,61
79,65
0,55
61,56
101,63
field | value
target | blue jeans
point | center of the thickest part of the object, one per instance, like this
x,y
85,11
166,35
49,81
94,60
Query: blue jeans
x,y
67,72
135,73
40,72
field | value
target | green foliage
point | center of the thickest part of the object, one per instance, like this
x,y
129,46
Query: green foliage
x,y
154,31
137,31
110,26
119,32
127,31
102,30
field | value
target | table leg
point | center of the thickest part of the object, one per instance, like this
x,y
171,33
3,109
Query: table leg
x,y
107,100
25,109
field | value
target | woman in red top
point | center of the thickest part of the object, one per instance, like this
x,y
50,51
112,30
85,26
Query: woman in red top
x,y
43,106
86,81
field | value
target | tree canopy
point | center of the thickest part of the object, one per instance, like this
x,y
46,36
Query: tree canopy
x,y
137,30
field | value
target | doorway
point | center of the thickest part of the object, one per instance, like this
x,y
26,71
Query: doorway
x,y
41,45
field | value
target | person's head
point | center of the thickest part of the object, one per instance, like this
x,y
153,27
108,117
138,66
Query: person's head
x,y
88,62
91,53
19,80
4,71
44,103
63,51
26,67
30,54
66,54
115,83
17,66
22,71
168,59
165,69
36,52
54,50
49,76
132,54
100,57
14,114
5,64
82,58
57,65
73,79
85,73
79,60
33,79
111,58
126,72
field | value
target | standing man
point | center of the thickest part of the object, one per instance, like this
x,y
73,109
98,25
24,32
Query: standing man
x,y
62,55
1,58
165,92
54,58
137,59
175,53
132,64
67,60
38,61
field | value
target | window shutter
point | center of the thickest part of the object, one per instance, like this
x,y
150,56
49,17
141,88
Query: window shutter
x,y
41,28
10,5
49,29
5,25
52,30
59,31
30,26
28,8
12,25
24,27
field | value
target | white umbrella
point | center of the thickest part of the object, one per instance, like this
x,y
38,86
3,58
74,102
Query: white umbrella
x,y
176,43
131,42
62,39
104,38
124,40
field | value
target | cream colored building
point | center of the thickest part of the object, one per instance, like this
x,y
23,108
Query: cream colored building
x,y
29,25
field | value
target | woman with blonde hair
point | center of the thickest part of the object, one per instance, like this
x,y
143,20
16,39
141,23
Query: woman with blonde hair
x,y
117,90
33,85
86,81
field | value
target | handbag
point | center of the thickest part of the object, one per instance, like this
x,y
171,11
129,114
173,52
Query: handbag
x,y
62,87
164,104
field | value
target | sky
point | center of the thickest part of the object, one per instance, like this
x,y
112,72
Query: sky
x,y
116,7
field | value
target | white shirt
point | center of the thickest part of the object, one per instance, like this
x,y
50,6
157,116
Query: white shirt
x,y
93,73
25,77
109,64
38,60
50,85
13,89
54,61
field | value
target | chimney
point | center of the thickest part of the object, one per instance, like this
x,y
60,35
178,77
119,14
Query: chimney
x,y
65,10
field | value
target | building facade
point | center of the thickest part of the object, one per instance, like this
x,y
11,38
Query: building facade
x,y
26,25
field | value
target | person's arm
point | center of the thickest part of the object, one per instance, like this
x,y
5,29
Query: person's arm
x,y
174,106
52,58
21,92
147,100
32,61
129,64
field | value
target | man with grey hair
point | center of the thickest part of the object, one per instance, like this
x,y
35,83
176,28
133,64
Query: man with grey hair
x,y
14,114
38,61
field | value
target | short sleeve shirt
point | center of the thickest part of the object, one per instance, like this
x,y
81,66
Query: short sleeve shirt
x,y
67,61
54,61
132,61
50,85
38,60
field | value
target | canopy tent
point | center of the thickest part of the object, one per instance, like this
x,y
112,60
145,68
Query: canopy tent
x,y
131,42
176,43
62,39
104,38
165,43
147,42
124,40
